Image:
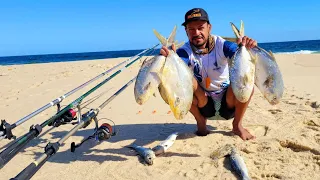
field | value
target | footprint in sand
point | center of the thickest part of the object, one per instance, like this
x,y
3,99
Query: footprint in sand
x,y
297,147
275,111
259,130
291,103
313,124
314,104
317,138
273,175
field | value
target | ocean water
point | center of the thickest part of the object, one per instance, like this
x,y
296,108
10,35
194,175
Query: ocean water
x,y
292,47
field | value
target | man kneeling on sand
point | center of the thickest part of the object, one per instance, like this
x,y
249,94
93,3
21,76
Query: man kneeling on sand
x,y
207,55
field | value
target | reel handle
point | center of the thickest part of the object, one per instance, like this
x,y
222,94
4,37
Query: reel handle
x,y
104,132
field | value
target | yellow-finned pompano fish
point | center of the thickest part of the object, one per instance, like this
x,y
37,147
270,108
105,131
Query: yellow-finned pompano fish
x,y
268,77
176,79
242,69
147,81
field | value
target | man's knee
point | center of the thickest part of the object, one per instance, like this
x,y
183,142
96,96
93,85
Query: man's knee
x,y
195,101
195,84
252,91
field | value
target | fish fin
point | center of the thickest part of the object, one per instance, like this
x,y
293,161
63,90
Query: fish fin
x,y
179,45
143,61
235,30
241,29
166,42
229,39
272,55
147,86
156,76
177,101
253,58
172,36
162,39
245,79
268,81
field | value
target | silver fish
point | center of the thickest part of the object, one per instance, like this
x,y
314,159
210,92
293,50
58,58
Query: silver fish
x,y
147,80
221,152
176,80
146,153
268,77
242,69
238,164
163,146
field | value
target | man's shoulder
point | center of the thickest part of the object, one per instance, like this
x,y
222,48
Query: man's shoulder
x,y
227,47
182,51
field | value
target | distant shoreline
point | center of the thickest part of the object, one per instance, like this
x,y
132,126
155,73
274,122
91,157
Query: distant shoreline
x,y
288,47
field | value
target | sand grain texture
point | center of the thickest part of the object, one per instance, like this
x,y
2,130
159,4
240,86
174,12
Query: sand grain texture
x,y
287,144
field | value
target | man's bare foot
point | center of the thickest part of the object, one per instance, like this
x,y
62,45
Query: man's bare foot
x,y
243,133
202,133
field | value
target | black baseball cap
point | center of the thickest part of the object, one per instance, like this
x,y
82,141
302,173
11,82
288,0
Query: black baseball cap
x,y
195,14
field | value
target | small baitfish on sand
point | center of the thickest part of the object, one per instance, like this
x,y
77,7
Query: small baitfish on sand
x,y
146,153
220,153
242,69
165,145
238,164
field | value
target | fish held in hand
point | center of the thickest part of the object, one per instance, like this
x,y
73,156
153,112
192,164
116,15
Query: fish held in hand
x,y
242,69
268,77
147,80
176,80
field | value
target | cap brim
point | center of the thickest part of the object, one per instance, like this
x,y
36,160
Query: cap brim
x,y
194,19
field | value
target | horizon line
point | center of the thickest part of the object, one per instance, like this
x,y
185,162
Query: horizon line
x,y
135,49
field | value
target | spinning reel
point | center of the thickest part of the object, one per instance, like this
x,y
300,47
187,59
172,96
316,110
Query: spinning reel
x,y
104,132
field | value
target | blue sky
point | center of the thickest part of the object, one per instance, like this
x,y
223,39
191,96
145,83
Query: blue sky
x,y
47,27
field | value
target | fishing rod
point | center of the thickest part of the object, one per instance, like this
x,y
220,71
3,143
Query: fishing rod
x,y
104,132
6,128
62,117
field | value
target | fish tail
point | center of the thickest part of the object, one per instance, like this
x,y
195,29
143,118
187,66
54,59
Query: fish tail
x,y
172,35
162,39
241,29
171,40
238,33
272,55
229,39
178,45
235,30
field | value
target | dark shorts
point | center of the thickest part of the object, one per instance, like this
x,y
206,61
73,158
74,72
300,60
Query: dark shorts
x,y
209,111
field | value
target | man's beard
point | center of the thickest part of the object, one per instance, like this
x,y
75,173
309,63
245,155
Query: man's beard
x,y
201,44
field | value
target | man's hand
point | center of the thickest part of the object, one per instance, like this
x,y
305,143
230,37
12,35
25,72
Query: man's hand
x,y
165,51
247,42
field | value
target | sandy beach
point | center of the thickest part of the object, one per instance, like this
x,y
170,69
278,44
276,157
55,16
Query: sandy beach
x,y
288,134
